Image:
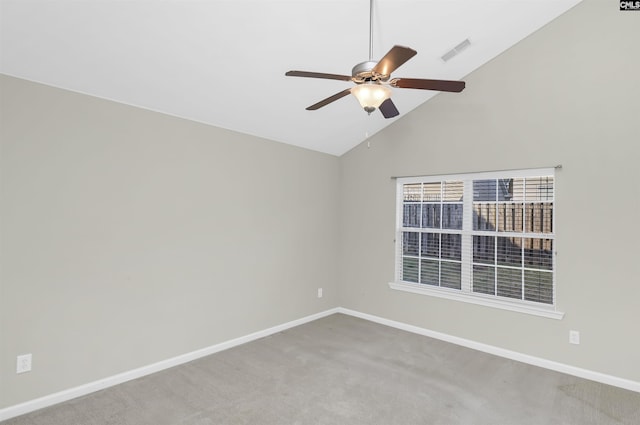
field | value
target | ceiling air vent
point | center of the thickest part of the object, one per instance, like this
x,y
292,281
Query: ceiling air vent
x,y
456,50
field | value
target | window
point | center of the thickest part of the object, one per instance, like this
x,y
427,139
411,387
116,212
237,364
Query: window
x,y
486,238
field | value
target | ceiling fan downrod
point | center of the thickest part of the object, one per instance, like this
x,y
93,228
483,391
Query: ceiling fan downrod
x,y
361,73
370,30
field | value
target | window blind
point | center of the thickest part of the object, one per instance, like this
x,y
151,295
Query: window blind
x,y
481,234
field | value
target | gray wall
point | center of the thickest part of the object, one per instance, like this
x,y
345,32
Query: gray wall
x,y
129,237
569,94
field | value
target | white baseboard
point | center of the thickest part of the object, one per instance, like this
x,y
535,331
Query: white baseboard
x,y
59,397
71,393
501,352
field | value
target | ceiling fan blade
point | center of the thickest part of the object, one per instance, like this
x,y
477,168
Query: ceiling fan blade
x,y
418,83
388,109
318,75
328,100
393,59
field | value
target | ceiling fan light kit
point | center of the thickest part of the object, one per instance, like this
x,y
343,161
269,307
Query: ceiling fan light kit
x,y
371,95
373,78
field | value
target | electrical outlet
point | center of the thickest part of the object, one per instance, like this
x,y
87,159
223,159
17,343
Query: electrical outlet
x,y
574,337
23,363
319,292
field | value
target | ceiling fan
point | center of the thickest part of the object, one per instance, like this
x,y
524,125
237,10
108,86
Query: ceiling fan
x,y
373,78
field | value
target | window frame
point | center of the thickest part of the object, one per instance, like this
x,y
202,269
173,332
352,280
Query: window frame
x,y
465,293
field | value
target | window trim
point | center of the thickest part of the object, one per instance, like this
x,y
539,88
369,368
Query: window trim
x,y
464,295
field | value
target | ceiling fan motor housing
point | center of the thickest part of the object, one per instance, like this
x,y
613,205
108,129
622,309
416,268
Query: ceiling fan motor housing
x,y
363,72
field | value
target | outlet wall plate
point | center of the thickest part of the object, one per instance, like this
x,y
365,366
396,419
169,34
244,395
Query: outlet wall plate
x,y
574,337
23,363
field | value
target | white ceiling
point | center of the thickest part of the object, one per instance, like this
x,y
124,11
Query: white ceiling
x,y
222,62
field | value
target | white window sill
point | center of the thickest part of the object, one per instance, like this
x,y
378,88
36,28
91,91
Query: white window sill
x,y
451,294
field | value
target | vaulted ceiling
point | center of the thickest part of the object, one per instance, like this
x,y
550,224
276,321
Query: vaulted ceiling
x,y
222,62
